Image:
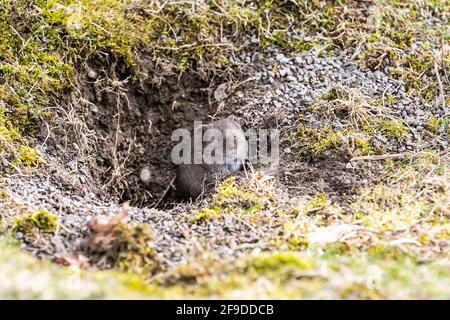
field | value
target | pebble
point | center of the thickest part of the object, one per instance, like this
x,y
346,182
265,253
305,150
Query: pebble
x,y
145,175
303,77
92,74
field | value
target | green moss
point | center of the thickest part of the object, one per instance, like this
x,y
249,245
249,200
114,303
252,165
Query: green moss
x,y
279,262
40,220
28,157
4,194
206,214
232,197
319,202
360,291
297,243
392,128
434,124
41,279
391,253
337,249
130,250
314,142
133,250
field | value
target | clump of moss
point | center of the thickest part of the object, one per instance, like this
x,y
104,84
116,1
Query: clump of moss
x,y
435,124
133,251
42,279
231,197
409,53
273,262
115,244
40,220
310,141
3,194
360,291
337,248
28,157
297,243
319,202
391,128
361,119
206,214
391,253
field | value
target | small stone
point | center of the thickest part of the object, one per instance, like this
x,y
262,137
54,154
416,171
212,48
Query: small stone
x,y
338,126
19,235
279,57
277,104
145,175
291,78
72,165
92,74
93,107
382,138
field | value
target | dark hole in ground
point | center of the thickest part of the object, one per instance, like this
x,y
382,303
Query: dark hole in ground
x,y
134,123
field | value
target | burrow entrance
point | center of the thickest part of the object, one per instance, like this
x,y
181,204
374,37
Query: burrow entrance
x,y
132,122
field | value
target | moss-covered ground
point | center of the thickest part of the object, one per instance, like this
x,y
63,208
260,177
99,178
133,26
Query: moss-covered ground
x,y
391,240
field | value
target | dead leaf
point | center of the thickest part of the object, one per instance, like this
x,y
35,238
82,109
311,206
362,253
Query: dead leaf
x,y
103,230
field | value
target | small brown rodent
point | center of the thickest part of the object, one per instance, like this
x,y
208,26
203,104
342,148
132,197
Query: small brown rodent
x,y
193,180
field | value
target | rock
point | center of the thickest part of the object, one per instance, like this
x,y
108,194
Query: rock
x,y
299,60
145,175
383,139
291,78
91,74
93,107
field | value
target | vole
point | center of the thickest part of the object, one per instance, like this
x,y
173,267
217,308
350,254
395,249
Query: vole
x,y
230,154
